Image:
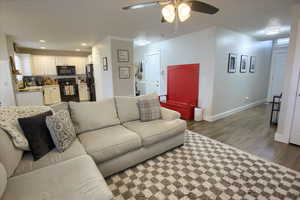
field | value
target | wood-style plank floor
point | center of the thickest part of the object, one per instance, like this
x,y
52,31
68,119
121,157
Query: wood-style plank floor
x,y
250,131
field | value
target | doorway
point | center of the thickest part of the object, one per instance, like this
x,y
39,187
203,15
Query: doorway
x,y
278,63
152,80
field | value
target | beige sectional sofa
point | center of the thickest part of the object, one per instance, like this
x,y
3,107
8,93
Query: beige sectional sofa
x,y
111,138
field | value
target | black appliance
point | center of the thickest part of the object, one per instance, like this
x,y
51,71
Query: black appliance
x,y
90,80
68,89
66,70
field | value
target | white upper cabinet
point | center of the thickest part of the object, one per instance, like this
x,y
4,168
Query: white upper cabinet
x,y
24,63
46,65
78,62
43,65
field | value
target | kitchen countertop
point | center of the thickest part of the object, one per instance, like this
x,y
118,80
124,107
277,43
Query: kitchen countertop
x,y
31,89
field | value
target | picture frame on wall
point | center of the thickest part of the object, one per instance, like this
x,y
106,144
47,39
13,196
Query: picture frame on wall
x,y
124,72
232,60
105,64
123,55
243,64
252,64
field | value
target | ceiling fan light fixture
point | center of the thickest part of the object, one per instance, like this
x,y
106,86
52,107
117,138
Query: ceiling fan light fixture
x,y
169,13
184,12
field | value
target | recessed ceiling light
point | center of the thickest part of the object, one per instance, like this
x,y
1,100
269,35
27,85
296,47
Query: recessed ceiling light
x,y
142,42
43,47
83,44
77,49
42,41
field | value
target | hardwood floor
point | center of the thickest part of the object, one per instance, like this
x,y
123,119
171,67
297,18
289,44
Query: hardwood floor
x,y
250,131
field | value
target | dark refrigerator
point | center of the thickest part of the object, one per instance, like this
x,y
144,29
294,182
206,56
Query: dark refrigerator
x,y
90,80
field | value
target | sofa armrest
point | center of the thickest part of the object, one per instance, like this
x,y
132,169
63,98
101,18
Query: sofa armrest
x,y
168,114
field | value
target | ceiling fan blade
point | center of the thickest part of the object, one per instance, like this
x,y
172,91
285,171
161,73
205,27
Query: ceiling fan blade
x,y
143,5
199,6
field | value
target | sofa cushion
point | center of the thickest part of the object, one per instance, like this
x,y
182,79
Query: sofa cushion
x,y
107,143
10,156
60,106
9,122
89,116
27,163
37,134
3,179
127,107
155,131
149,109
76,179
61,129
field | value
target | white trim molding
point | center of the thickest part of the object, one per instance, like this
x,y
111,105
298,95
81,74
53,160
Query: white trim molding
x,y
234,111
279,137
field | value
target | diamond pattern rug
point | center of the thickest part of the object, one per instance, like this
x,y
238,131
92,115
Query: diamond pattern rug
x,y
204,169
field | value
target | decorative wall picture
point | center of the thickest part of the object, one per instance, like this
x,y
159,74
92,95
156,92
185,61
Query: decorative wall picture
x,y
244,63
123,55
124,72
105,64
232,60
252,64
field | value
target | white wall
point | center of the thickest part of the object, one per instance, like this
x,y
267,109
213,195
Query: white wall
x,y
104,50
291,78
122,87
220,93
233,91
195,47
108,83
7,95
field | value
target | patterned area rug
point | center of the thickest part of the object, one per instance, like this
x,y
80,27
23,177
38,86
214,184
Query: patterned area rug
x,y
205,169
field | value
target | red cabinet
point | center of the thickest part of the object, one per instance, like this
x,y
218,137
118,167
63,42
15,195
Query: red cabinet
x,y
183,89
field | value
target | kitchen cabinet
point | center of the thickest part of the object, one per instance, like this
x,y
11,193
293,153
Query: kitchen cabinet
x,y
78,62
30,98
83,92
23,64
35,65
51,94
43,65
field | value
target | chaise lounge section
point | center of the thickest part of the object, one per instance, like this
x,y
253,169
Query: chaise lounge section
x,y
110,138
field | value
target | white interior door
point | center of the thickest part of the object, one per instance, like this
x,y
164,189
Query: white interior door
x,y
152,73
279,61
295,137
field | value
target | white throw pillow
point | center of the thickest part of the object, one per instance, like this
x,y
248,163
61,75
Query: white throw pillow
x,y
61,129
9,122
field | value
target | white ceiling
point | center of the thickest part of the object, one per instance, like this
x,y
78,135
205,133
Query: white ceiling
x,y
65,24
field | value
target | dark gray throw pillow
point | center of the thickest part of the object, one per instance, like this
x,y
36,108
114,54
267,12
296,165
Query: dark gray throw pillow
x,y
37,134
61,129
149,109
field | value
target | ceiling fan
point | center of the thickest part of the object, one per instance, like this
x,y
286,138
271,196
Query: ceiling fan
x,y
174,9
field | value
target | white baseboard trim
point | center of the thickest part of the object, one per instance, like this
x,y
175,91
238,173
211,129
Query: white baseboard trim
x,y
279,137
234,111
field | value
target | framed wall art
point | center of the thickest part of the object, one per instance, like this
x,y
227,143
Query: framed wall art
x,y
252,64
232,60
124,72
244,63
123,55
105,64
